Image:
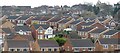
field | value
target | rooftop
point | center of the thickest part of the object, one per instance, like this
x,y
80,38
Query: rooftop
x,y
48,43
110,32
82,43
109,41
18,44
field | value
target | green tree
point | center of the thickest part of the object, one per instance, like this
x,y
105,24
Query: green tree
x,y
96,9
59,40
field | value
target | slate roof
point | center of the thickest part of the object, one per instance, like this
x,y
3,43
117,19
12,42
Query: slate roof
x,y
45,26
18,44
44,18
23,28
48,43
75,22
110,32
12,17
81,43
6,30
90,18
42,25
27,37
64,21
24,17
87,23
73,35
36,19
109,41
99,30
55,20
36,26
102,19
86,29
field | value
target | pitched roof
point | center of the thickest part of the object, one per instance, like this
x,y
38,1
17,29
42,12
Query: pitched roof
x,y
75,22
42,25
86,29
26,37
36,19
23,28
81,43
73,35
64,21
102,19
48,43
87,23
6,30
36,26
109,41
110,32
44,18
98,30
55,19
7,24
45,26
24,17
12,17
18,44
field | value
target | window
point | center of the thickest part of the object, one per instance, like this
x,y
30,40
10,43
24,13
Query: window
x,y
49,50
24,49
18,49
11,49
83,49
49,31
90,49
76,49
68,48
43,49
40,31
107,36
105,46
55,49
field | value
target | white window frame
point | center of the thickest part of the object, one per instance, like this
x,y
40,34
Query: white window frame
x,y
105,46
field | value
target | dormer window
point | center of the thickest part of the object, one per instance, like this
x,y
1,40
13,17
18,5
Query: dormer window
x,y
40,31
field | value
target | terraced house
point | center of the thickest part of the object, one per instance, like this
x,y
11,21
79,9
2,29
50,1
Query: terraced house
x,y
107,44
79,45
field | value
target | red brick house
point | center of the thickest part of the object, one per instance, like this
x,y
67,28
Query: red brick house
x,y
99,25
78,45
98,32
107,44
47,46
40,31
111,34
23,20
75,25
13,19
23,42
64,24
84,32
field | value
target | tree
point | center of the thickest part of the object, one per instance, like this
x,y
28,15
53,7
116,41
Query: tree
x,y
96,9
88,14
93,40
59,40
60,35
